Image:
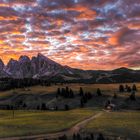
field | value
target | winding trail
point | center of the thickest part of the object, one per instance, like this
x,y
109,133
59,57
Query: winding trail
x,y
70,131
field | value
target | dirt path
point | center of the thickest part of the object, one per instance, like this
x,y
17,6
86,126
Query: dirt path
x,y
76,128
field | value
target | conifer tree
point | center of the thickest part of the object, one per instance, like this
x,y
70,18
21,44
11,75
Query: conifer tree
x,y
99,92
134,88
81,92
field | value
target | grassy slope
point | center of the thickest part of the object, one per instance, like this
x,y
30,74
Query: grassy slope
x,y
106,88
117,123
27,123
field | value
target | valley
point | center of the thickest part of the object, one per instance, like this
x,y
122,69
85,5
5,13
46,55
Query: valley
x,y
56,117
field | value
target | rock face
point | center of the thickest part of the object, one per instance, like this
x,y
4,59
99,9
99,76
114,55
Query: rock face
x,y
1,65
3,74
42,67
13,68
25,67
36,67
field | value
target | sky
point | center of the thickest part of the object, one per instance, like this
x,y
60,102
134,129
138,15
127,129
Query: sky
x,y
86,34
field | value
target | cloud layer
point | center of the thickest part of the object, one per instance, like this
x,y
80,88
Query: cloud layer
x,y
87,34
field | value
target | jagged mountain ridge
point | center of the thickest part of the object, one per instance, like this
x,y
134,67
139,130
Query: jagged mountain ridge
x,y
36,67
41,67
29,68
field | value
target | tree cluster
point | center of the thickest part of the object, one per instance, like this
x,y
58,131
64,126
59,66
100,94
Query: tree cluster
x,y
65,92
85,97
10,83
127,88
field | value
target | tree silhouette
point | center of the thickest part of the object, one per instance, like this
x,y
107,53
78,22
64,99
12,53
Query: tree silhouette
x,y
81,92
99,92
58,91
24,105
100,137
91,136
43,106
129,89
134,88
121,88
132,96
66,107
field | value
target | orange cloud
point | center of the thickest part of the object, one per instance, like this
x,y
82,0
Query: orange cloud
x,y
88,14
116,37
85,12
8,18
135,26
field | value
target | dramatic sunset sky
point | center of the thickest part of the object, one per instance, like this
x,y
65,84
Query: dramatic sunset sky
x,y
87,34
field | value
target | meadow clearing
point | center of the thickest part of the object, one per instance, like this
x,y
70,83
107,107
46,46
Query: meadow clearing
x,y
39,122
30,122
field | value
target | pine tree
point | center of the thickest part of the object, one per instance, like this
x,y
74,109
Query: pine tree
x,y
66,107
67,90
100,137
43,106
71,93
132,96
81,93
99,92
74,136
134,88
91,136
56,108
24,105
78,137
129,89
58,92
121,88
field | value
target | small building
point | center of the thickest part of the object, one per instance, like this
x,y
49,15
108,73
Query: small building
x,y
111,107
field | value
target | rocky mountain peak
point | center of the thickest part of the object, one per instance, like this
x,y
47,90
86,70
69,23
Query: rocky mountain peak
x,y
24,58
43,57
40,55
12,62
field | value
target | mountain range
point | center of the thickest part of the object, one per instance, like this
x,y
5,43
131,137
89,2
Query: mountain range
x,y
41,67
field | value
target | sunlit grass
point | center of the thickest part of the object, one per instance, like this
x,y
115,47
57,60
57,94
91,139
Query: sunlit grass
x,y
117,123
29,122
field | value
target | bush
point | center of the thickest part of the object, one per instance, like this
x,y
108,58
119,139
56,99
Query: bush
x,y
132,96
67,107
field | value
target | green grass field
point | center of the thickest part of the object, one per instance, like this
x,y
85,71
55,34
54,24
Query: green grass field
x,y
125,124
29,122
